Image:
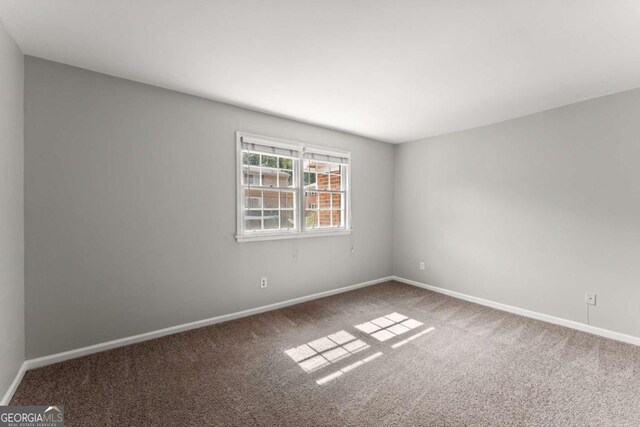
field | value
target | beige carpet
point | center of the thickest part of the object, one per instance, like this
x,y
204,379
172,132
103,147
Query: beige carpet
x,y
308,365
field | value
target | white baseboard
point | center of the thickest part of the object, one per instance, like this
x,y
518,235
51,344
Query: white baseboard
x,y
14,385
72,354
527,313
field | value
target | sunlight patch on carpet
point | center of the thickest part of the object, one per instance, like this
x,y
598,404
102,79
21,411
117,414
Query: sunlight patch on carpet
x,y
322,352
389,326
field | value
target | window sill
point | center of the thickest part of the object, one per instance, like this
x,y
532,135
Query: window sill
x,y
281,236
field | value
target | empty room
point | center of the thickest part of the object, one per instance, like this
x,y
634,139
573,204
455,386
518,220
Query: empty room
x,y
319,213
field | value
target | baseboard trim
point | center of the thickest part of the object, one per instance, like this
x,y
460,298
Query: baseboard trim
x,y
629,339
14,385
72,354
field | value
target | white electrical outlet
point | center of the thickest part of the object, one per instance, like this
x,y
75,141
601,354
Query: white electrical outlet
x,y
421,265
263,282
590,298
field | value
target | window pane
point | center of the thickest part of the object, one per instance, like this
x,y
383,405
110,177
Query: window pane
x,y
253,220
250,159
269,161
325,218
253,202
336,201
270,199
322,171
323,181
271,220
287,200
253,225
252,199
311,200
337,218
251,177
335,181
311,218
285,163
269,177
285,178
309,179
324,200
314,166
287,220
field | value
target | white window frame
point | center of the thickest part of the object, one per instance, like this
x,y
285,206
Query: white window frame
x,y
301,231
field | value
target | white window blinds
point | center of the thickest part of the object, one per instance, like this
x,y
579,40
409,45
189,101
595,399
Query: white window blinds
x,y
258,146
328,158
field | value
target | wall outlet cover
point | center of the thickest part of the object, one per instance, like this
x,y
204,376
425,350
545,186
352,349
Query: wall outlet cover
x,y
590,298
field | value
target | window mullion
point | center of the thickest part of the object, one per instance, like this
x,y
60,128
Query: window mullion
x,y
279,194
262,208
302,198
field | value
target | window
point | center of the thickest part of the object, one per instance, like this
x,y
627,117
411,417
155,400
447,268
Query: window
x,y
288,189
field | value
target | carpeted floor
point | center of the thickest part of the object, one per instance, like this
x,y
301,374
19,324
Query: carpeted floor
x,y
308,365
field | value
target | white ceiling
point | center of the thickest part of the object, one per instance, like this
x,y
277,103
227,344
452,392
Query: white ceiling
x,y
390,70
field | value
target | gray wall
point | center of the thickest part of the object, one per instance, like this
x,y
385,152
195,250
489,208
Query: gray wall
x,y
532,212
131,211
11,211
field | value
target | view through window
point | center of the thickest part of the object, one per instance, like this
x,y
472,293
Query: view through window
x,y
269,191
324,194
